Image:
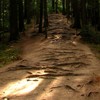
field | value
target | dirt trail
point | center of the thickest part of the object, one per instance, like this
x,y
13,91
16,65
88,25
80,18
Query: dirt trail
x,y
52,69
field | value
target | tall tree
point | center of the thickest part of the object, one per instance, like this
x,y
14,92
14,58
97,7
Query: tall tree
x,y
53,5
67,8
0,15
56,2
76,13
63,5
41,16
45,17
14,35
83,13
27,6
21,15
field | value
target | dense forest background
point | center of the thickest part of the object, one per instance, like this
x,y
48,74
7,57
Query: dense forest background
x,y
15,14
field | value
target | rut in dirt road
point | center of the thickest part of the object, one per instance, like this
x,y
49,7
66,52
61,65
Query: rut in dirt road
x,y
53,69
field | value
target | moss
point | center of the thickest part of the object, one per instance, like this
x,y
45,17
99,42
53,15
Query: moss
x,y
8,54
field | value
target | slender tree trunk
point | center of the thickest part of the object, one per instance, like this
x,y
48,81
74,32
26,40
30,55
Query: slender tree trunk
x,y
76,14
63,5
68,8
45,17
0,16
53,5
14,35
98,26
56,6
83,13
0,19
3,19
41,16
27,7
37,12
21,16
95,13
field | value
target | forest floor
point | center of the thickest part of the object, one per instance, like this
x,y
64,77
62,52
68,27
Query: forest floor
x,y
52,69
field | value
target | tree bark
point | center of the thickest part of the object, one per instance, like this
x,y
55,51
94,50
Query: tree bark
x,y
45,17
56,6
53,5
21,15
14,35
41,16
63,5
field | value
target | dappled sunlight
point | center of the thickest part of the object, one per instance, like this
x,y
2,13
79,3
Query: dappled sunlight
x,y
49,94
58,36
21,87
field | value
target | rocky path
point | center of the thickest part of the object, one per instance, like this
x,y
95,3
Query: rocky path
x,y
52,69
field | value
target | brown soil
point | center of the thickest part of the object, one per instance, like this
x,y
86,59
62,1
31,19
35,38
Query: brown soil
x,y
52,69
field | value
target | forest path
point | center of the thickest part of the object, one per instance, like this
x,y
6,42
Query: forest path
x,y
52,69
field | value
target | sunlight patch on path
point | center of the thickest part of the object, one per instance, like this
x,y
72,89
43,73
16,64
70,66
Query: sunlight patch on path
x,y
18,88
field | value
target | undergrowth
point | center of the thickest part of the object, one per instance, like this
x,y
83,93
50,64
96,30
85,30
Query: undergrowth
x,y
90,35
8,54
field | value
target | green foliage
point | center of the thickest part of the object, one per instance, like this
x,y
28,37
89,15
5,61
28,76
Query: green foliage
x,y
8,54
89,34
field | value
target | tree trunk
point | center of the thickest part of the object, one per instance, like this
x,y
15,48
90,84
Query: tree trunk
x,y
14,35
45,17
0,17
63,5
41,16
76,13
68,8
83,13
27,7
56,6
53,5
21,16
